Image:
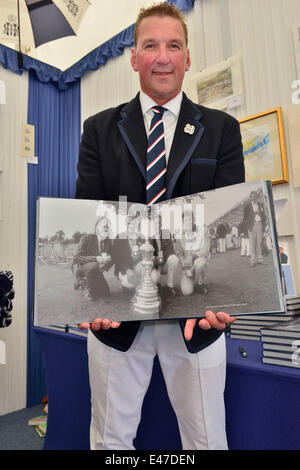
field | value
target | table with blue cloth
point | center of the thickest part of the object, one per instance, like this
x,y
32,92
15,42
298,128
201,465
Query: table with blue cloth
x,y
262,401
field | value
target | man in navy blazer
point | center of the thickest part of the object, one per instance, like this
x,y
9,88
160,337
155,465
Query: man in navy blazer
x,y
205,152
113,159
254,221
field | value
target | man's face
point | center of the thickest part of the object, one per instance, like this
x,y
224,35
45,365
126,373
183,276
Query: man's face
x,y
161,57
188,223
133,228
102,229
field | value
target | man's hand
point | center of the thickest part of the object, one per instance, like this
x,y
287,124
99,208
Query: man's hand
x,y
187,262
218,321
103,261
99,324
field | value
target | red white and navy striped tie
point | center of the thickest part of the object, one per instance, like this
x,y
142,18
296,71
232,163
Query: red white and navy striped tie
x,y
156,158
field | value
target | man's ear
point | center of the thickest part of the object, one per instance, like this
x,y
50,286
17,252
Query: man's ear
x,y
133,59
188,60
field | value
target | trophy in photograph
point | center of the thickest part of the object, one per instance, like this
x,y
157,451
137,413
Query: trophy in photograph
x,y
147,300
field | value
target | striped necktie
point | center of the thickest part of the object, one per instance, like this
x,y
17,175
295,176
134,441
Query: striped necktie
x,y
156,159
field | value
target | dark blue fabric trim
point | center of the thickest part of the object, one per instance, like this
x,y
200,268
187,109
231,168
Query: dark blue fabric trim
x,y
182,4
92,61
185,160
44,72
131,148
98,57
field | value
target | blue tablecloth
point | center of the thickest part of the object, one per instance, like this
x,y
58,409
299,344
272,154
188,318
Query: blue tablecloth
x,y
262,401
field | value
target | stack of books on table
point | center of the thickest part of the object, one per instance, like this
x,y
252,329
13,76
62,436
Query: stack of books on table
x,y
281,343
249,326
292,304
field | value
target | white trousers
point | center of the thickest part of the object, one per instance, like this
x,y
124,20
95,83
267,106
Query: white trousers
x,y
175,272
221,245
245,247
195,384
255,239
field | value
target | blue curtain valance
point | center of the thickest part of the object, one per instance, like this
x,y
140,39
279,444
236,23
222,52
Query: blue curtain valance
x,y
99,56
92,61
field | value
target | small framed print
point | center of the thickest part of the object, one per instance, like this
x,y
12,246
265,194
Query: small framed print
x,y
219,86
264,147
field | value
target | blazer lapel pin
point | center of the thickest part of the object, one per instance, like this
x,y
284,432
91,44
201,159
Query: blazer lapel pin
x,y
189,129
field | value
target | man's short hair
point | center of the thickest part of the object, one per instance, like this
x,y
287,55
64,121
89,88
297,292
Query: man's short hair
x,y
160,9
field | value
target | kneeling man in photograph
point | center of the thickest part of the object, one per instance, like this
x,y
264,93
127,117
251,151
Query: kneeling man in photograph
x,y
96,253
192,249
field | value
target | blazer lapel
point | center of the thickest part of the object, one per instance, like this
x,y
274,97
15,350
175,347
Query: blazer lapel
x,y
184,143
133,131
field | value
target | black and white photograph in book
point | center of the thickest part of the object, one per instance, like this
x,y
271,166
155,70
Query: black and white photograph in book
x,y
214,250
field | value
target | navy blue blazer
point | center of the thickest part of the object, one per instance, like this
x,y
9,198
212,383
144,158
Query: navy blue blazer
x,y
249,216
112,163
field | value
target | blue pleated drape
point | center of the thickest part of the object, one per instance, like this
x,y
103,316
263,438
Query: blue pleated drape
x,y
56,117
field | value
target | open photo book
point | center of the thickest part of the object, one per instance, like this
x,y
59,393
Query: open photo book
x,y
215,250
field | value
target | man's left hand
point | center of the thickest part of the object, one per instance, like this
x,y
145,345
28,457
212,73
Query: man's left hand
x,y
211,320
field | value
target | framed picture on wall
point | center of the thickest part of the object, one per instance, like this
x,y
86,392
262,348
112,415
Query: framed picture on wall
x,y
264,147
219,86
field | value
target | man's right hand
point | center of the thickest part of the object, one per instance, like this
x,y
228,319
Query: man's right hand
x,y
99,324
103,262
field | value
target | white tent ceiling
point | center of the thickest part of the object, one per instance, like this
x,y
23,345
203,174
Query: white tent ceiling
x,y
102,20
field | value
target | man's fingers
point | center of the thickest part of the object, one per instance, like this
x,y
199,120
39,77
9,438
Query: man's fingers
x,y
96,324
224,317
204,324
211,320
217,321
104,324
189,328
214,321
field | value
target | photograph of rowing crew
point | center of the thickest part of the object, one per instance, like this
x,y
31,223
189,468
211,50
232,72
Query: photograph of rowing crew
x,y
214,250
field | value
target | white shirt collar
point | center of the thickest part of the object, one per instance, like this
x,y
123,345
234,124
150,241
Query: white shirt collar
x,y
173,105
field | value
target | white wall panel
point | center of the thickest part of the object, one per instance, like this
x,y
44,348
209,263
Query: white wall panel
x,y
13,238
